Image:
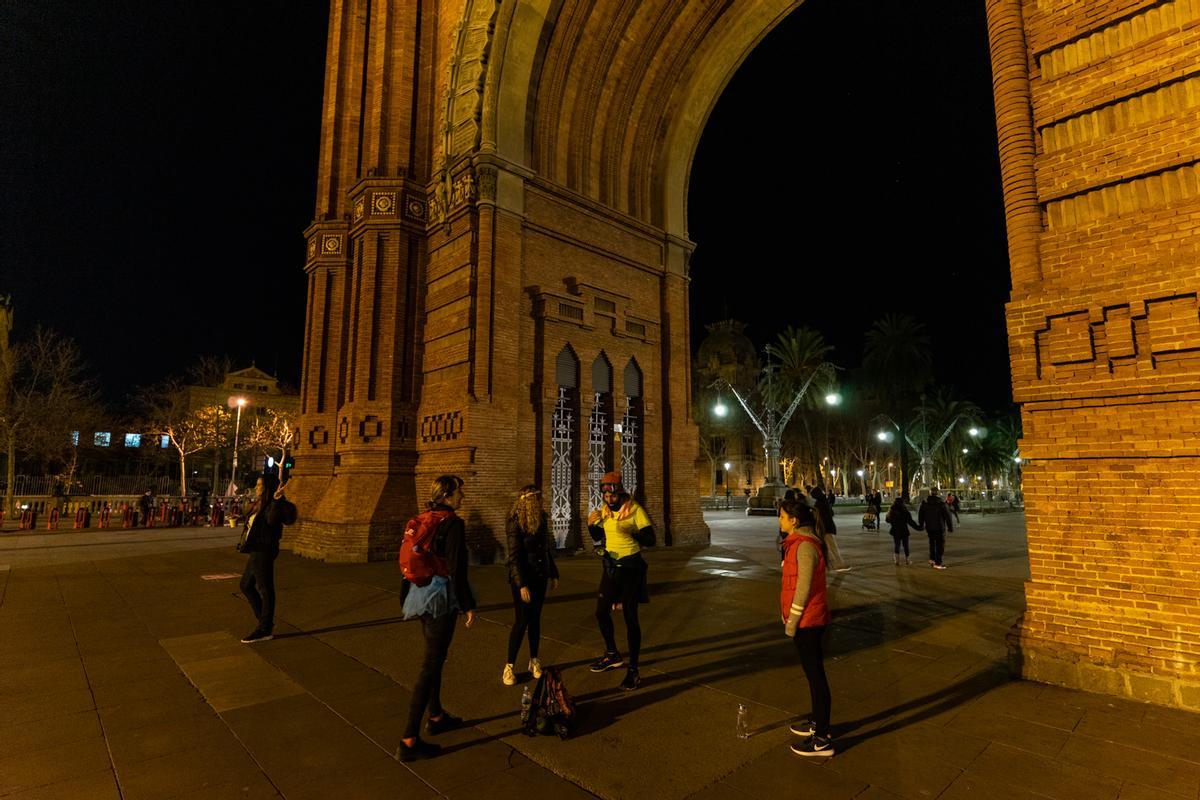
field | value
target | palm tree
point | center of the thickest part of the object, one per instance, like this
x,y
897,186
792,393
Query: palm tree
x,y
940,410
801,352
898,357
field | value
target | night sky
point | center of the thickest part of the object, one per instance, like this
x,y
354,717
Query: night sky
x,y
159,165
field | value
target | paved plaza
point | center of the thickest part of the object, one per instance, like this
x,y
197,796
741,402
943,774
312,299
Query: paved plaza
x,y
121,677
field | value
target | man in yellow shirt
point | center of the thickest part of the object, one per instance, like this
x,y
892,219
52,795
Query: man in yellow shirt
x,y
620,528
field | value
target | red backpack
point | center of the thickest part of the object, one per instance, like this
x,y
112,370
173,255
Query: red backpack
x,y
418,561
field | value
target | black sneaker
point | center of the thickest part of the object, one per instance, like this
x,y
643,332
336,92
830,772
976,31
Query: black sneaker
x,y
804,727
420,749
817,746
257,636
632,680
447,722
606,662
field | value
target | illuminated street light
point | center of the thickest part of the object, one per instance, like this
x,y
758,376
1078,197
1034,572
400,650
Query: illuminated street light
x,y
965,451
858,472
833,399
973,431
240,403
728,466
720,409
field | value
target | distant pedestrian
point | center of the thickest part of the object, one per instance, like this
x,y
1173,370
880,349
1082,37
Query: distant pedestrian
x,y
952,504
531,571
264,528
827,527
900,519
145,503
935,518
437,605
804,611
620,528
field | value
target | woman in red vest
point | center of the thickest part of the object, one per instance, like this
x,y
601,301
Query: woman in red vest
x,y
804,609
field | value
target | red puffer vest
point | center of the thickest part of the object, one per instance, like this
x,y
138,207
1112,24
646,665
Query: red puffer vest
x,y
816,607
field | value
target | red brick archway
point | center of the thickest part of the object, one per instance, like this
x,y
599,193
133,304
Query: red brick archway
x,y
500,181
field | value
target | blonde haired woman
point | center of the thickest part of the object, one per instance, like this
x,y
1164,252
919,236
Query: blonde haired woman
x,y
531,569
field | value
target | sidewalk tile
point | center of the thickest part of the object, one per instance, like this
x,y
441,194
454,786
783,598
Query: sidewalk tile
x,y
61,762
383,777
1141,764
171,736
1001,765
173,774
38,734
24,708
97,786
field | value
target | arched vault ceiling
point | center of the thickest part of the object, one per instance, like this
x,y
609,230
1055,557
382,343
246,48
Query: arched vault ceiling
x,y
608,97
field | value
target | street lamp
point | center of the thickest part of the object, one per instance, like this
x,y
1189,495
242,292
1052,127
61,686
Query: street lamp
x,y
240,402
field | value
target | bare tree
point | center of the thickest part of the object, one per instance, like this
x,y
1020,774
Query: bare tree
x,y
167,412
42,390
275,433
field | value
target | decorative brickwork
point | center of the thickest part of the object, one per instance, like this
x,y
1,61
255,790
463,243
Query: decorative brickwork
x,y
1097,107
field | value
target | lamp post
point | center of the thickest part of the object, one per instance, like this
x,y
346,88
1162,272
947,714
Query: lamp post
x,y
771,423
728,467
240,403
924,449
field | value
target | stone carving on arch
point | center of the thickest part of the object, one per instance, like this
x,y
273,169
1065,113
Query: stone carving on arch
x,y
564,483
600,450
632,428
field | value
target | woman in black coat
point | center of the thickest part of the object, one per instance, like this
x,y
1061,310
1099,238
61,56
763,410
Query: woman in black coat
x,y
264,523
531,572
900,519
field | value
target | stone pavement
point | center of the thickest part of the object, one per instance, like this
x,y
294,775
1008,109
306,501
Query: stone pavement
x,y
123,678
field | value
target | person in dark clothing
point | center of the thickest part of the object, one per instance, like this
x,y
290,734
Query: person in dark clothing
x,y
826,526
531,571
145,503
900,519
935,518
620,528
438,605
264,520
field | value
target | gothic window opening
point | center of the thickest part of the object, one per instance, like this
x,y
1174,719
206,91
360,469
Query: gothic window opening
x,y
631,431
563,484
600,455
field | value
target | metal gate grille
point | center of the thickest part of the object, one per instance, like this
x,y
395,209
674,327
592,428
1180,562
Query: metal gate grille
x,y
562,467
630,444
597,448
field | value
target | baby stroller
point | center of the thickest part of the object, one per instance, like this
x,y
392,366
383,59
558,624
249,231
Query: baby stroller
x,y
870,521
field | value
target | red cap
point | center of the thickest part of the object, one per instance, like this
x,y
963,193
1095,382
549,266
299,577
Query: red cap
x,y
611,477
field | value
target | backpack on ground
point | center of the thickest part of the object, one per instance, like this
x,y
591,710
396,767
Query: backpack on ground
x,y
418,560
552,709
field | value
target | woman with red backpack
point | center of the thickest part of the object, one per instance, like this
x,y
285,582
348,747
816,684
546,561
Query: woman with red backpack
x,y
804,609
436,600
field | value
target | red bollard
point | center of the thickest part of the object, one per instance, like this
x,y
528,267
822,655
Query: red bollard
x,y
52,523
26,519
127,516
104,515
78,523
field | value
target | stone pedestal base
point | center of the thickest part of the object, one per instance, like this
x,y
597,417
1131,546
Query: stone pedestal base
x,y
359,518
1045,661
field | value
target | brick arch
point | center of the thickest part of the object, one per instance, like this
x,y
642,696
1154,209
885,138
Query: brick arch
x,y
625,135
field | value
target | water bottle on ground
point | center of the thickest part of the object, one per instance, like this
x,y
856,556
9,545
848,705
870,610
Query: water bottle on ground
x,y
526,703
743,721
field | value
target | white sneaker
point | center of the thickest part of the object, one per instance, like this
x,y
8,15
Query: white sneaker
x,y
535,667
895,559
509,677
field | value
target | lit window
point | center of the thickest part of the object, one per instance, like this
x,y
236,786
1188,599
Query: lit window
x,y
133,440
102,439
75,438
166,440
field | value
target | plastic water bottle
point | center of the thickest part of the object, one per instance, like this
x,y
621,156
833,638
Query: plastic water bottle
x,y
526,703
743,722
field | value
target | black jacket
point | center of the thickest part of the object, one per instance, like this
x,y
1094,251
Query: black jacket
x,y
266,529
934,515
900,519
824,512
530,556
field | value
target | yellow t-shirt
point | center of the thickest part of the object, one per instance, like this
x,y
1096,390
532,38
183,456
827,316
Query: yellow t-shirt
x,y
620,526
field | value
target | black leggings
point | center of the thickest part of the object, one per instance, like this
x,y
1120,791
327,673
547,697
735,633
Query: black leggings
x,y
527,615
612,591
427,693
808,645
258,585
896,540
